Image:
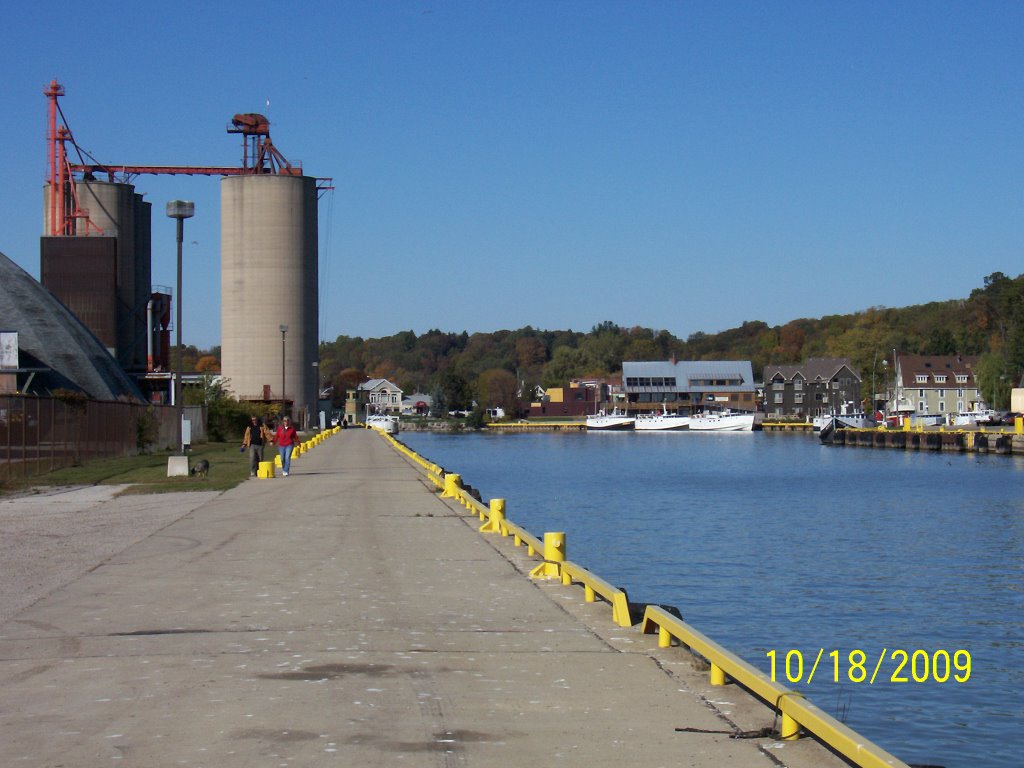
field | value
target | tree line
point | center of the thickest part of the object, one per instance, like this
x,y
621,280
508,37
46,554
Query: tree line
x,y
502,368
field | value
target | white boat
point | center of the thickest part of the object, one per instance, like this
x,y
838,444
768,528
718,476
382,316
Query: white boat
x,y
610,421
661,422
722,421
980,416
848,416
383,422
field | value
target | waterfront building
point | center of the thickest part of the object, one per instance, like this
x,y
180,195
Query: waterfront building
x,y
818,386
575,401
417,404
689,386
935,385
379,394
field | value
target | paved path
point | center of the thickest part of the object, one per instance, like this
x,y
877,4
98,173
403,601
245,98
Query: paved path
x,y
345,615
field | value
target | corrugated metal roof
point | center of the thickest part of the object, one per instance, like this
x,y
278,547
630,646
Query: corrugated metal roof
x,y
685,371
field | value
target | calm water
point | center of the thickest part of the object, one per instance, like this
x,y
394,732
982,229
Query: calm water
x,y
774,542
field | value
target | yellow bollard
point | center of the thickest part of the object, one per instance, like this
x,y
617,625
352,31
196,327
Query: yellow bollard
x,y
717,675
1018,425
554,556
266,469
277,460
495,518
296,451
452,486
789,730
664,638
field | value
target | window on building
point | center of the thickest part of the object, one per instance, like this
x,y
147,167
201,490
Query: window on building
x,y
942,406
921,378
798,383
798,398
940,378
942,393
920,393
961,378
922,406
960,406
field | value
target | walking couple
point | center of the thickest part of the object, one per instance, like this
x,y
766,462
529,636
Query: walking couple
x,y
257,435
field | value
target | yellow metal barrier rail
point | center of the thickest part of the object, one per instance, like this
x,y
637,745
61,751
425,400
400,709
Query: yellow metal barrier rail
x,y
796,712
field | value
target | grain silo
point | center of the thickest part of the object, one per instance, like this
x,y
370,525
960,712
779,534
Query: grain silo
x,y
77,266
269,280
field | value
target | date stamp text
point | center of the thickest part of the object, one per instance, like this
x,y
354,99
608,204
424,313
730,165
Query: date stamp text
x,y
888,665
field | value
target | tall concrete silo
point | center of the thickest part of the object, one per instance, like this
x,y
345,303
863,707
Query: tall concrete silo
x,y
269,279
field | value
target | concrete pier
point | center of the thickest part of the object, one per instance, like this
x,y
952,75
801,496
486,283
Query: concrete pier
x,y
346,615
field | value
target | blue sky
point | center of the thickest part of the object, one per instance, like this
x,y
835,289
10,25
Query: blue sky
x,y
675,165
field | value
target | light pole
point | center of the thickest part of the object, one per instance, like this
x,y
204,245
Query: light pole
x,y
315,415
885,368
284,400
179,210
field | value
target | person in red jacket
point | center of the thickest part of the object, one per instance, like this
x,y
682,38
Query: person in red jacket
x,y
286,438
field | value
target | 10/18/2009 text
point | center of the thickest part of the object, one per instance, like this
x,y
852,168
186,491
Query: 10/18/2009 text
x,y
908,666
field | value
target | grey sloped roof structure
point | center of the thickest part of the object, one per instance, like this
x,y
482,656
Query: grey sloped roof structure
x,y
54,343
691,375
812,369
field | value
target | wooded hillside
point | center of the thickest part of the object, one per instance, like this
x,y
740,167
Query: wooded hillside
x,y
492,366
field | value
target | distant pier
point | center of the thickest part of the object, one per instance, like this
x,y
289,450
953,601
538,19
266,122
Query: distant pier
x,y
1005,441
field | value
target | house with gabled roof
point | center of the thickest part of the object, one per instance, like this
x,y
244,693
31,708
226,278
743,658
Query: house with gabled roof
x,y
816,387
379,395
936,385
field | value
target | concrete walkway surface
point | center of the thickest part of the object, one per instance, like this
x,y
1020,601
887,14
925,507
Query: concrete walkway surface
x,y
345,615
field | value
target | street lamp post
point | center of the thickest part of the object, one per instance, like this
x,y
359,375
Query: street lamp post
x,y
179,210
284,400
885,369
315,416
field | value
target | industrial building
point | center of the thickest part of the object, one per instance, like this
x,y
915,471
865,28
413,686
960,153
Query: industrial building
x,y
95,256
46,348
689,386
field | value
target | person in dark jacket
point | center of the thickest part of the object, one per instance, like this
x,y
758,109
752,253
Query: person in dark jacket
x,y
256,436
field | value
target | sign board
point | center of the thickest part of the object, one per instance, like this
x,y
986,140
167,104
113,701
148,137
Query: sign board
x,y
8,349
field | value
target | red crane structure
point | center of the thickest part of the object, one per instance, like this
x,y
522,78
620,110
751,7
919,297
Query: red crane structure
x,y
259,155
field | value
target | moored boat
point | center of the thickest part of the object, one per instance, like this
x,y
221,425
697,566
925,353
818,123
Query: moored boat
x,y
848,416
607,422
661,422
722,421
978,416
383,422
